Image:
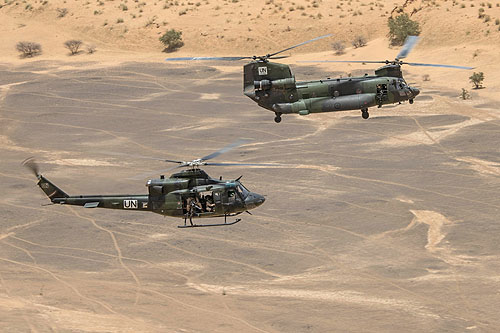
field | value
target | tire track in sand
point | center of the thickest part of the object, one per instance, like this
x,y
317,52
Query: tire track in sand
x,y
118,251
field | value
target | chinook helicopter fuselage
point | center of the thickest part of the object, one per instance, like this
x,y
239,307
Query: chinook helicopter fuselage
x,y
273,87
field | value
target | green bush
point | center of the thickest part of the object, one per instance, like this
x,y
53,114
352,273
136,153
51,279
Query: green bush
x,y
465,94
172,39
477,79
401,27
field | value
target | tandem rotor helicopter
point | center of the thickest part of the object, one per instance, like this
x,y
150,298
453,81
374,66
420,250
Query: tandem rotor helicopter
x,y
188,194
273,86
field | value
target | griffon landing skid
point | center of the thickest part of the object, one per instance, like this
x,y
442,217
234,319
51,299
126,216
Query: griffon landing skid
x,y
207,225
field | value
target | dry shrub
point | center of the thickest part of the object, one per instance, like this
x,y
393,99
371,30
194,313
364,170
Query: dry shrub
x,y
73,45
29,49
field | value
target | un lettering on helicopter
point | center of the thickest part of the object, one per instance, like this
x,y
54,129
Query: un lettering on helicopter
x,y
130,204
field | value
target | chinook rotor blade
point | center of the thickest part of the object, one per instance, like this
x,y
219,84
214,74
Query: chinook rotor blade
x,y
31,164
262,58
208,58
279,57
224,150
297,45
349,61
435,65
409,44
387,62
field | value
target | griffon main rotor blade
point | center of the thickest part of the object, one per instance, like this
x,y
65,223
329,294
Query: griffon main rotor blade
x,y
207,58
409,44
224,150
436,65
244,164
172,161
303,43
137,156
151,173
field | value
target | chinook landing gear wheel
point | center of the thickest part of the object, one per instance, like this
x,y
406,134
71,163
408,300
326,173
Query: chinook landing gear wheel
x,y
277,119
411,101
365,114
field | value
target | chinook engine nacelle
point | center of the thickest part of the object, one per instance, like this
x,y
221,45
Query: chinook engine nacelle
x,y
288,83
391,70
259,76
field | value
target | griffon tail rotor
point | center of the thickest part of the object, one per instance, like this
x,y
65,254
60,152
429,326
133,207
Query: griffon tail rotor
x,y
31,164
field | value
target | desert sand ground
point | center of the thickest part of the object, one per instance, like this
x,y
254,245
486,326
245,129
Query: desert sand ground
x,y
385,224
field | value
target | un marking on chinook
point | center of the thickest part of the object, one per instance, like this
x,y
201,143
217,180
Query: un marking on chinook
x,y
130,204
262,70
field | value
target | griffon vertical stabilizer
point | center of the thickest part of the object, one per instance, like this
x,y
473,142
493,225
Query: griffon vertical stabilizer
x,y
51,190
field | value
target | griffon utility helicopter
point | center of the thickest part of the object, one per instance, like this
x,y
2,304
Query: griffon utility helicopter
x,y
273,86
188,194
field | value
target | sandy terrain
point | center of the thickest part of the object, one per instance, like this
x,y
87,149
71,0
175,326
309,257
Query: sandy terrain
x,y
385,224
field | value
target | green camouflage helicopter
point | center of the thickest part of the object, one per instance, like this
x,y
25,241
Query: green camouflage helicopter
x,y
273,86
188,194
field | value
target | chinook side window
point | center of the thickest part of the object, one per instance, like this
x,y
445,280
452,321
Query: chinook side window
x,y
382,89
